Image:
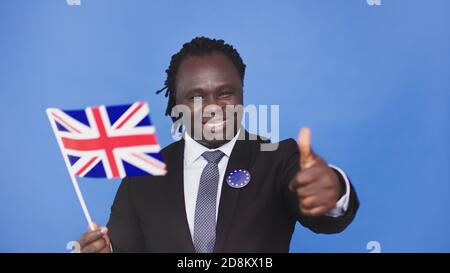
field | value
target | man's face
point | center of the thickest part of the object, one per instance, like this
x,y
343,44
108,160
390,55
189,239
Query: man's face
x,y
213,80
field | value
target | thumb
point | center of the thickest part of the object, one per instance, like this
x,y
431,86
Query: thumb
x,y
104,230
304,144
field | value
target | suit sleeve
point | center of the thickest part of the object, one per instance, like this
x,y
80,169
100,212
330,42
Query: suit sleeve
x,y
322,224
123,224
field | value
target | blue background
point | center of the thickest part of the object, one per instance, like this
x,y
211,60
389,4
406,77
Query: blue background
x,y
371,81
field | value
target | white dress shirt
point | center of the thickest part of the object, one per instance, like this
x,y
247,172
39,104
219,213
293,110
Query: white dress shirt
x,y
193,167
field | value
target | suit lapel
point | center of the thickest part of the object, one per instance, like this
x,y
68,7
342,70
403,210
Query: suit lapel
x,y
240,158
176,201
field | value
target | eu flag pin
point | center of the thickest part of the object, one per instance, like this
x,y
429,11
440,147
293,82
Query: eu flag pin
x,y
238,178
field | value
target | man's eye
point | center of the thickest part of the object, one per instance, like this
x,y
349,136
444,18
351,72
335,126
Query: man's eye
x,y
226,94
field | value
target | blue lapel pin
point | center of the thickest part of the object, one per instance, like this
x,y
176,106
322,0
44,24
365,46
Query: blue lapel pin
x,y
238,178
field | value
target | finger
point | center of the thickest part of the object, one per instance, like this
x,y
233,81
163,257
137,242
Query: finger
x,y
89,237
307,191
97,244
108,241
105,236
304,145
298,182
95,247
310,202
104,230
305,177
314,212
310,175
314,205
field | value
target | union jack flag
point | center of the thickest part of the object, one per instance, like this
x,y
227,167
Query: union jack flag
x,y
108,141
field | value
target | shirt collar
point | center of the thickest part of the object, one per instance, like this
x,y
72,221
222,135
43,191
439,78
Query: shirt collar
x,y
193,150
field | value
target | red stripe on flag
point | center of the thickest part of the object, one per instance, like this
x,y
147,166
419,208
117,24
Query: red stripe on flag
x,y
158,165
104,138
130,115
65,123
95,144
86,166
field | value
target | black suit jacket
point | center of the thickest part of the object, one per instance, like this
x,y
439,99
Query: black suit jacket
x,y
148,213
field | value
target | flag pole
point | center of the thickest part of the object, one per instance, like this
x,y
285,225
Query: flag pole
x,y
72,176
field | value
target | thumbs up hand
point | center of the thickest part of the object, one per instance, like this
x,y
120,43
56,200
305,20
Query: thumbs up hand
x,y
316,185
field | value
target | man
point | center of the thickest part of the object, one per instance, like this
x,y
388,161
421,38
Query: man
x,y
223,194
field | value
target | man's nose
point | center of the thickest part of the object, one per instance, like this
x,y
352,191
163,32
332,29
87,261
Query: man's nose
x,y
211,110
211,107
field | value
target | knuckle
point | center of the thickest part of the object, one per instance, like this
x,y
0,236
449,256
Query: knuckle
x,y
96,246
307,202
100,243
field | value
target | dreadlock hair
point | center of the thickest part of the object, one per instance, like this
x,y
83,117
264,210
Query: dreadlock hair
x,y
198,46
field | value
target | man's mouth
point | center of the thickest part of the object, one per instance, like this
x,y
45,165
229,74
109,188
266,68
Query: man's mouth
x,y
214,125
